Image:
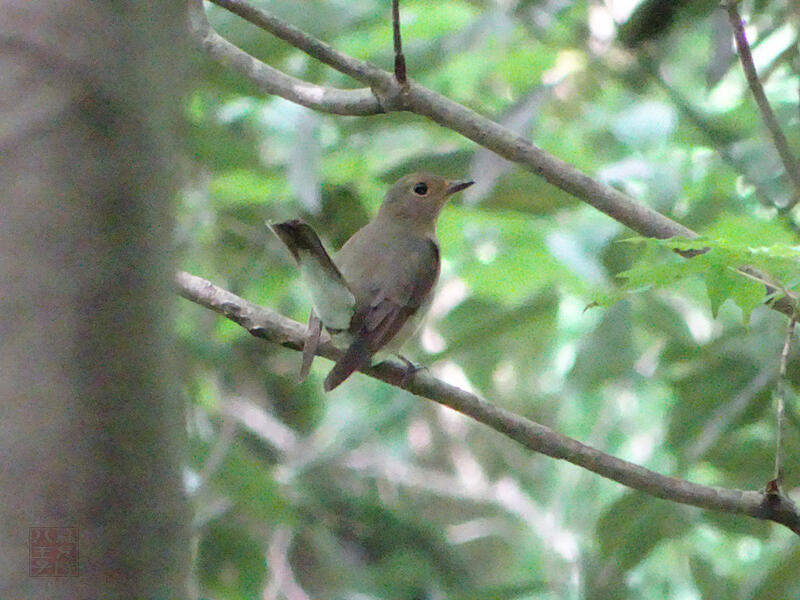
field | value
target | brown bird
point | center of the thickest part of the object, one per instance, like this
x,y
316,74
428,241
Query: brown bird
x,y
375,292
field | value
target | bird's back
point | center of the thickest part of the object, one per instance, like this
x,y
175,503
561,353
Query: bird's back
x,y
386,257
387,266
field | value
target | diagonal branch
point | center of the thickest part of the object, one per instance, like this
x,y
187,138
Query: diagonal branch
x,y
359,70
360,102
420,100
788,158
264,323
410,96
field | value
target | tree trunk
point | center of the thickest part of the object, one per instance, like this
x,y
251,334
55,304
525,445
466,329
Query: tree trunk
x,y
91,429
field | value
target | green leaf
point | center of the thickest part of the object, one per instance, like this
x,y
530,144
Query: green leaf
x,y
507,591
779,579
736,525
606,353
633,525
720,285
709,383
521,334
502,255
743,230
243,186
250,484
747,294
230,562
717,267
710,584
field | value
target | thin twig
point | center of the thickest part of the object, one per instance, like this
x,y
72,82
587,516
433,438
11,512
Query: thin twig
x,y
282,582
399,59
359,102
780,413
788,158
250,416
392,96
357,69
722,418
722,143
222,445
264,323
418,99
446,485
721,139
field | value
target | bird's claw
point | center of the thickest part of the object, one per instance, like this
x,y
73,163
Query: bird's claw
x,y
410,371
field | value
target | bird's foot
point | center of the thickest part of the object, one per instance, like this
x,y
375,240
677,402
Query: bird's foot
x,y
411,370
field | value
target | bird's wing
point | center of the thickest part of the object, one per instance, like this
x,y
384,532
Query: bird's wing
x,y
330,294
378,321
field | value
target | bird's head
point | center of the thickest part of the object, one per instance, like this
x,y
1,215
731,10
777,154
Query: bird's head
x,y
418,198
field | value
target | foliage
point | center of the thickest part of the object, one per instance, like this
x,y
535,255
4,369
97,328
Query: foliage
x,y
370,493
717,264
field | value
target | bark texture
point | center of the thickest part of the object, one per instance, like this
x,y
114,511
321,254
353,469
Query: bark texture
x,y
91,432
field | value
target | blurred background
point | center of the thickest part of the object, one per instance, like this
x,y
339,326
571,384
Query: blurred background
x,y
371,493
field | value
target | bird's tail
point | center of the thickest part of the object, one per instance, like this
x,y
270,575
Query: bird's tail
x,y
355,357
331,296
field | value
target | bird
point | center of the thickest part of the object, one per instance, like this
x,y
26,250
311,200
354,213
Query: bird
x,y
373,294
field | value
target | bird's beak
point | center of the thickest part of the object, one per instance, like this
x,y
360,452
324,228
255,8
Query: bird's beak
x,y
457,186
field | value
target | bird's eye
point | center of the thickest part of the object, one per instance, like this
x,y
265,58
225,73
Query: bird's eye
x,y
420,189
